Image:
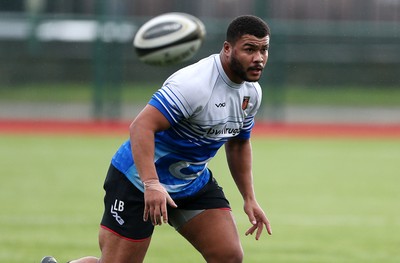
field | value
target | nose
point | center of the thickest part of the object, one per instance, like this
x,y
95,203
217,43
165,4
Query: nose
x,y
259,57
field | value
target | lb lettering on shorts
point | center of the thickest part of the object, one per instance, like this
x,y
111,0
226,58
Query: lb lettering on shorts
x,y
124,206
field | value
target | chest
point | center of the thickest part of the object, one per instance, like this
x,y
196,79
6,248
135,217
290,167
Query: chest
x,y
223,115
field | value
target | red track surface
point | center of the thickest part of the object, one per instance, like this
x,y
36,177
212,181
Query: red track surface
x,y
261,129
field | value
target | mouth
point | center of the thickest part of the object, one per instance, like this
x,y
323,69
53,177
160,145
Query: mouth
x,y
255,70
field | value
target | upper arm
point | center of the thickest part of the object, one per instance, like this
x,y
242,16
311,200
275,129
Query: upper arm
x,y
150,118
237,145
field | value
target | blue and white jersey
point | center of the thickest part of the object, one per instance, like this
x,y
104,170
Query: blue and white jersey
x,y
204,109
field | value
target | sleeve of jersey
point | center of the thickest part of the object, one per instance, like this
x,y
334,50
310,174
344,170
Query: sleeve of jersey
x,y
171,104
246,130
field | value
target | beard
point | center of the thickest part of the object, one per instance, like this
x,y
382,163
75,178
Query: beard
x,y
238,69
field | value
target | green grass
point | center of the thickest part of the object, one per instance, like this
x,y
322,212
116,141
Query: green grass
x,y
329,200
139,92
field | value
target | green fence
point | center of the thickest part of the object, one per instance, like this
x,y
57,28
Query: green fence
x,y
95,50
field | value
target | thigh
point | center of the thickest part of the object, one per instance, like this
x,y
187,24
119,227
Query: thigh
x,y
214,234
115,248
124,236
123,208
211,196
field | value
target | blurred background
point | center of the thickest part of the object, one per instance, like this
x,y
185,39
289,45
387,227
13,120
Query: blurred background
x,y
331,61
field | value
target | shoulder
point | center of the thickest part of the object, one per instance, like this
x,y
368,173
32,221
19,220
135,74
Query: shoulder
x,y
255,88
194,83
194,74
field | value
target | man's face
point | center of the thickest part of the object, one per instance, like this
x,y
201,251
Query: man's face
x,y
248,57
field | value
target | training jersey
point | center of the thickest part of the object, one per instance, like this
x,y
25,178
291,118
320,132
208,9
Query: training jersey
x,y
204,109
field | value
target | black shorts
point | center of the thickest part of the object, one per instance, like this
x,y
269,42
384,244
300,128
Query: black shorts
x,y
124,206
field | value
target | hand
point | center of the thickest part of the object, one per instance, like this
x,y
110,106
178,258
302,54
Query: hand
x,y
257,218
155,202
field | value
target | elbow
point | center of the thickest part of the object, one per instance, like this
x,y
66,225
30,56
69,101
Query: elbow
x,y
132,127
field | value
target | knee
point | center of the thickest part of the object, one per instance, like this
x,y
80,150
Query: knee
x,y
227,255
233,256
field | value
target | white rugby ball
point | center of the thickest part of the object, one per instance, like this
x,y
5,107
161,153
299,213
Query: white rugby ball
x,y
169,39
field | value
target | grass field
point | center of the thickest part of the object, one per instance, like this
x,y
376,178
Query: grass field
x,y
329,200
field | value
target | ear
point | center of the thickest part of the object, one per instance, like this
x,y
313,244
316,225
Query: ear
x,y
227,48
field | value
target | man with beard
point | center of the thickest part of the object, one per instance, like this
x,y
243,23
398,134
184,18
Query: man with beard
x,y
160,174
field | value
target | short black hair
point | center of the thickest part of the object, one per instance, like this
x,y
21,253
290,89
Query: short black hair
x,y
246,25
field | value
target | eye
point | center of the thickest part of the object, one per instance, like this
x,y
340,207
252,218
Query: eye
x,y
250,50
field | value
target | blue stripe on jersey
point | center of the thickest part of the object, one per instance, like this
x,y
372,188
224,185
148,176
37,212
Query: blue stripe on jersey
x,y
168,97
163,110
194,134
246,130
168,92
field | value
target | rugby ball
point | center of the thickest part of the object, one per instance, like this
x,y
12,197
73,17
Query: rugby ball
x,y
169,39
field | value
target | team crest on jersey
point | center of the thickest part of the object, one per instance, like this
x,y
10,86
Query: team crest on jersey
x,y
245,102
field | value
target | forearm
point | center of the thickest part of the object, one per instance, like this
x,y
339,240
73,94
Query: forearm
x,y
239,158
142,146
142,131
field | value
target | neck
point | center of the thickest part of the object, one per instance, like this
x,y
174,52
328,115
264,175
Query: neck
x,y
227,69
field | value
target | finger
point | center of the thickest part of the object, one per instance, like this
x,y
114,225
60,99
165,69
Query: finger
x,y
269,229
164,213
265,221
145,213
157,221
156,216
259,230
253,227
252,219
153,217
251,230
170,201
